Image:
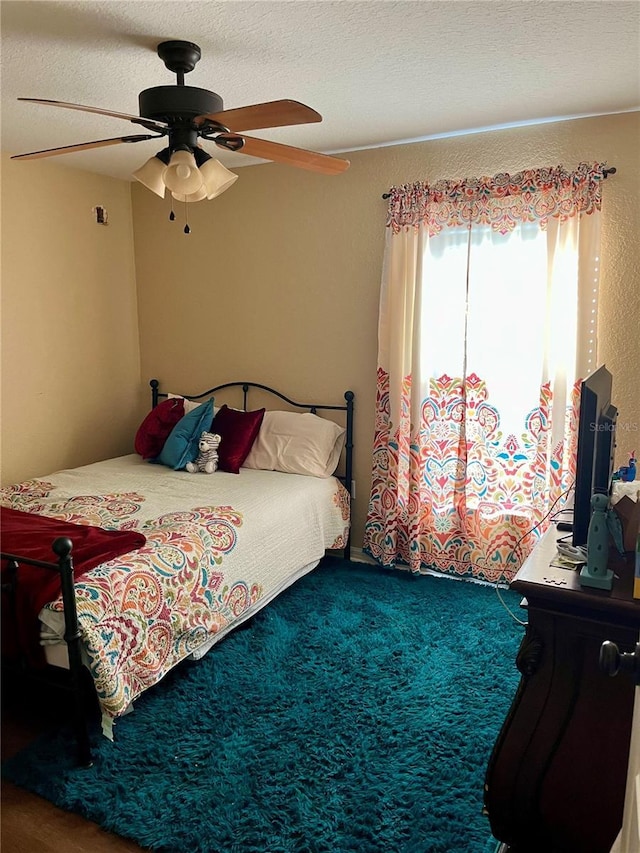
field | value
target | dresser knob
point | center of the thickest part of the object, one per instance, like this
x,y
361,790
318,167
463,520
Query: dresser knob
x,y
612,661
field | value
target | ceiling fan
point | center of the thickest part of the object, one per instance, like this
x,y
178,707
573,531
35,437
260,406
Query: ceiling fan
x,y
185,115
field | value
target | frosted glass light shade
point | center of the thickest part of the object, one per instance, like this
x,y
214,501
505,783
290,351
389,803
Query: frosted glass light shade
x,y
217,178
189,175
198,195
151,174
182,175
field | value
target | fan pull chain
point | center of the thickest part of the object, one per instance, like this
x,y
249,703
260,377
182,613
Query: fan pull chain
x,y
187,230
172,215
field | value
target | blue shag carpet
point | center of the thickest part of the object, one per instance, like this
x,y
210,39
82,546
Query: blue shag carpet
x,y
356,715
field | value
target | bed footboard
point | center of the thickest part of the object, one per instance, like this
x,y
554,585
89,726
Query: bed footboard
x,y
62,548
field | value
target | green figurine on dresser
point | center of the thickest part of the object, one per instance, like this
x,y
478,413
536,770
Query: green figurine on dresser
x,y
596,572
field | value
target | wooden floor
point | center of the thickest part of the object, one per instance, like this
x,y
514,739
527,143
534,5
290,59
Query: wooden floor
x,y
29,824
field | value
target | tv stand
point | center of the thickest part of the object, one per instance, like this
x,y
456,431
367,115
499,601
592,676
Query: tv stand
x,y
556,777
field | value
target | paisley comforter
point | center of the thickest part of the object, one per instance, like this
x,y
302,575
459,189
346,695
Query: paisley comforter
x,y
218,548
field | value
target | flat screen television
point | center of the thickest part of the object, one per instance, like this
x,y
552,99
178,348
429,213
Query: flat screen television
x,y
596,445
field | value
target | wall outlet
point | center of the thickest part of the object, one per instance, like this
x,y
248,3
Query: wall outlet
x,y
100,214
353,490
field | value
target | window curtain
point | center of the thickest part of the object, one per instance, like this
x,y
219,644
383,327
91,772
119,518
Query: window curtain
x,y
488,321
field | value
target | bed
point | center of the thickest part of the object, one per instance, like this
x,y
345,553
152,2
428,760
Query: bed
x,y
189,556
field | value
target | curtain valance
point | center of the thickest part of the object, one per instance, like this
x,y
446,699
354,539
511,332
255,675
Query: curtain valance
x,y
502,201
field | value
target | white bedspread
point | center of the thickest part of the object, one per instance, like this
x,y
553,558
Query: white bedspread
x,y
219,546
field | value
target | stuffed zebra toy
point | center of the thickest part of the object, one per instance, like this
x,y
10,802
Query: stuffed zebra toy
x,y
207,459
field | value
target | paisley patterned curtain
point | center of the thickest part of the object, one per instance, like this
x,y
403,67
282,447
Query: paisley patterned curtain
x,y
488,321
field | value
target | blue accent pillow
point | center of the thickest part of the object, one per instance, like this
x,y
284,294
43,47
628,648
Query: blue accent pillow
x,y
182,445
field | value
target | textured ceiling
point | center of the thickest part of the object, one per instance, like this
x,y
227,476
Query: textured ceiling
x,y
378,71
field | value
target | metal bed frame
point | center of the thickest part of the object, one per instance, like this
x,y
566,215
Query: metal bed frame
x,y
345,478
62,548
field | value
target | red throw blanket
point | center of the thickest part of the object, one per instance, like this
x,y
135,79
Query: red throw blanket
x,y
28,535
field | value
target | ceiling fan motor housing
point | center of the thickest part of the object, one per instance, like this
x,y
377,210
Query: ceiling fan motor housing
x,y
170,103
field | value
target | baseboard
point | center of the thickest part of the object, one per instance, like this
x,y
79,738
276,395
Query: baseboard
x,y
359,556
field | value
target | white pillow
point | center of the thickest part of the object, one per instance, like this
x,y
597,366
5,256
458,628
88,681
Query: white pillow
x,y
297,444
189,405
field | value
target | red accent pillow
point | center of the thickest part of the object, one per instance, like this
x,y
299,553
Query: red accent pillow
x,y
156,427
238,430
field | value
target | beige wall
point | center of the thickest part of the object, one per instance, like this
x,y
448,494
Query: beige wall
x,y
279,280
70,356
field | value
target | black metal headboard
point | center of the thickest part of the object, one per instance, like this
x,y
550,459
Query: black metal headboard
x,y
346,479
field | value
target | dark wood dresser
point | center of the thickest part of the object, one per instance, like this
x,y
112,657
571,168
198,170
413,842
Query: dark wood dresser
x,y
556,778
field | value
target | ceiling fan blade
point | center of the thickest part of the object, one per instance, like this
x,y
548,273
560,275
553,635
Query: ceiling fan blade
x,y
279,153
271,114
146,122
82,146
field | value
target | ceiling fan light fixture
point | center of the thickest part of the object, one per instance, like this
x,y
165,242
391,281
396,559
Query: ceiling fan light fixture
x,y
151,174
198,195
217,178
182,174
